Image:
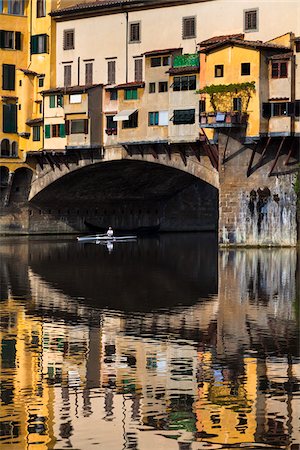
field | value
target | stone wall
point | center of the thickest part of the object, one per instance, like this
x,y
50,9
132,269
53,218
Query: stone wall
x,y
255,208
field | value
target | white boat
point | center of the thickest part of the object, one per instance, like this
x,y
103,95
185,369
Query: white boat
x,y
105,238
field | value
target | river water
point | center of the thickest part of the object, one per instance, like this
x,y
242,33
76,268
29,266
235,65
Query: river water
x,y
164,343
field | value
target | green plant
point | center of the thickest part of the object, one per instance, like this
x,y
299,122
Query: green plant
x,y
222,94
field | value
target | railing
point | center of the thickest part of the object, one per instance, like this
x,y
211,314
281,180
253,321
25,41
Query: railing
x,y
111,131
225,119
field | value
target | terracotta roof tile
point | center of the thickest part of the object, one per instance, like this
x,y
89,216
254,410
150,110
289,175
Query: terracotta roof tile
x,y
183,70
241,42
162,52
70,89
131,84
89,6
281,56
217,39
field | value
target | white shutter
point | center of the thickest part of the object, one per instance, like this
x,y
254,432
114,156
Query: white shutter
x,y
163,118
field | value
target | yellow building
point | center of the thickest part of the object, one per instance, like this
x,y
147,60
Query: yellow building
x,y
243,65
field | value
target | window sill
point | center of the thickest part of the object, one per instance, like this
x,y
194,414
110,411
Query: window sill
x,y
189,37
134,42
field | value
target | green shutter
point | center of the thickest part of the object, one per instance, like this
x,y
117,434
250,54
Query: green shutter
x,y
10,118
60,100
17,40
134,94
52,101
2,39
62,131
47,132
8,77
34,44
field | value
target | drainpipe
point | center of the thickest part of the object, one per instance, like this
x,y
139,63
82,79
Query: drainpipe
x,y
127,31
78,72
30,34
293,89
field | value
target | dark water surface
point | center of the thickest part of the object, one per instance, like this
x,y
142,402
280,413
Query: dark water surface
x,y
161,344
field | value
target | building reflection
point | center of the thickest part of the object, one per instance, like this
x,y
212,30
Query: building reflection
x,y
225,369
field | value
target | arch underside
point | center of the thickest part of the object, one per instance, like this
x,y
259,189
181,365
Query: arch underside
x,y
129,194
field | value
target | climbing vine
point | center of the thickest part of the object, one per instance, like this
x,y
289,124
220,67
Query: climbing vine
x,y
221,95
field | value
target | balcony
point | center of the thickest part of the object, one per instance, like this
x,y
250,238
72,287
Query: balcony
x,y
223,119
111,131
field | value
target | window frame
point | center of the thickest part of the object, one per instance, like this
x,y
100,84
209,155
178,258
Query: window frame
x,y
153,118
184,83
152,88
40,8
163,87
248,29
219,67
67,76
39,44
8,77
89,73
131,38
276,70
132,122
111,71
182,111
82,130
134,94
243,67
69,39
190,35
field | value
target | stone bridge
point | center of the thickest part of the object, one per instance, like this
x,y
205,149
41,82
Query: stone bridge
x,y
243,190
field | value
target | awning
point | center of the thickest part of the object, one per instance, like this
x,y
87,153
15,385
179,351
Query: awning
x,y
124,115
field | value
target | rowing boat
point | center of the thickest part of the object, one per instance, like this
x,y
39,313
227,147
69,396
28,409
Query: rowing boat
x,y
105,238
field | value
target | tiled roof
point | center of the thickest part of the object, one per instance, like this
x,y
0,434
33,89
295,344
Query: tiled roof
x,y
241,42
32,122
29,72
70,89
183,70
217,39
162,52
131,84
89,6
281,56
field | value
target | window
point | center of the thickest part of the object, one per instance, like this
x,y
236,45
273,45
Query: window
x,y
10,40
279,109
184,116
36,133
163,86
184,83
251,20
130,94
75,98
202,106
219,71
8,77
155,62
245,69
55,130
39,44
135,32
67,75
151,88
297,46
68,42
40,9
237,104
113,94
189,27
297,108
5,148
41,81
56,101
132,122
279,70
89,73
166,61
79,126
16,7
9,118
153,118
138,69
111,125
111,72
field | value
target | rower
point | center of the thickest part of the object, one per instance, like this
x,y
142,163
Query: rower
x,y
110,232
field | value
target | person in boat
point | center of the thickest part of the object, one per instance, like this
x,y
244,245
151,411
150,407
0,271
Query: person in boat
x,y
110,232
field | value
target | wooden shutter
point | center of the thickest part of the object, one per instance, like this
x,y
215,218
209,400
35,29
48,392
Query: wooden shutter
x,y
189,27
89,73
67,75
138,69
86,126
68,43
52,101
17,40
10,118
34,45
67,127
8,77
266,110
47,132
2,39
111,72
62,131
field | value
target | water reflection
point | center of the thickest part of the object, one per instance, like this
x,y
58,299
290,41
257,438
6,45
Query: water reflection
x,y
148,346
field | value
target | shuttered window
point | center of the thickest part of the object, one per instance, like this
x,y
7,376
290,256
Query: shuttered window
x,y
39,44
89,73
47,132
138,69
153,118
279,70
67,75
79,126
10,40
135,32
9,118
130,94
8,77
69,41
189,27
111,72
40,8
52,101
36,133
62,131
184,116
251,20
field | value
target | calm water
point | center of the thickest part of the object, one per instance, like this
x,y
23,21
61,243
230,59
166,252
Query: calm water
x,y
161,344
